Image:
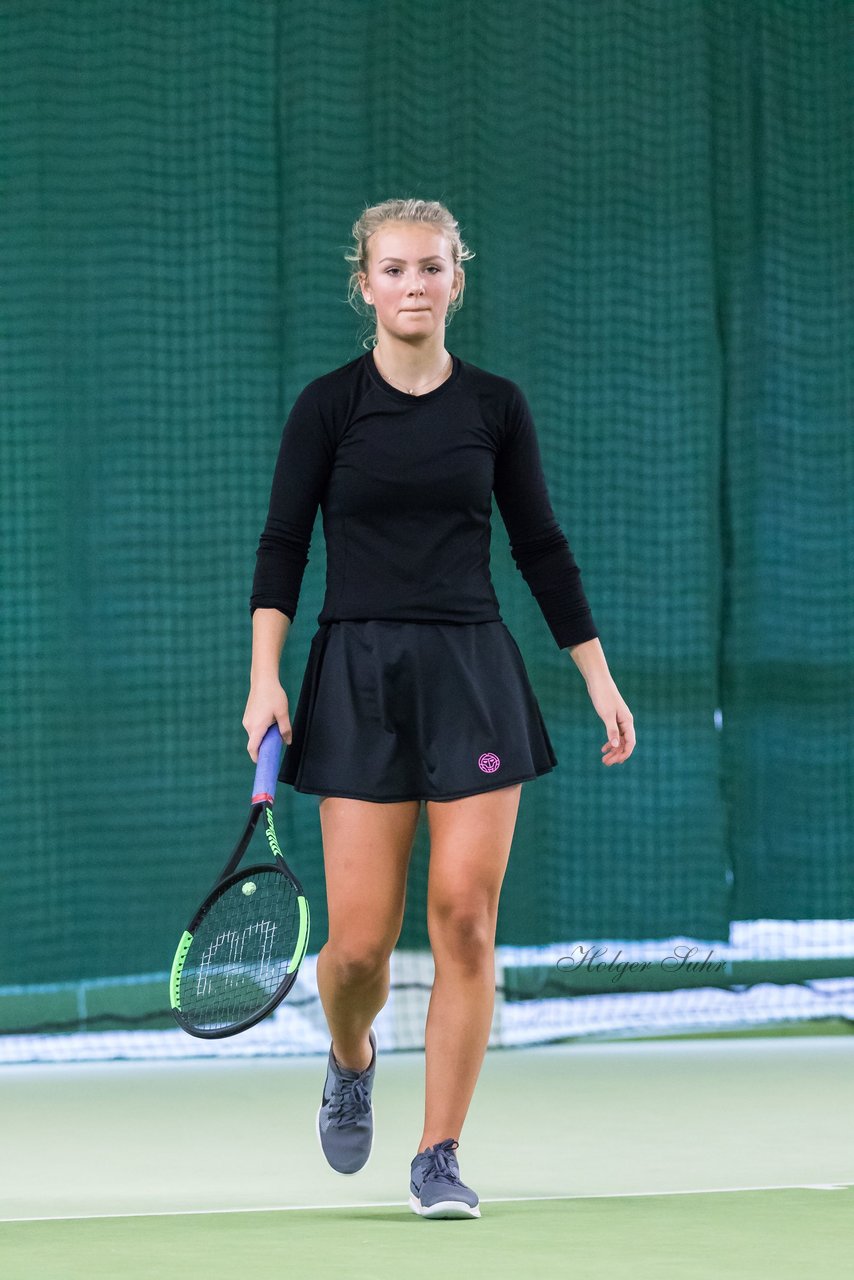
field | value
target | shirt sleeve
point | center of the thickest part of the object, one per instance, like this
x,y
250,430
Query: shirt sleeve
x,y
302,470
537,542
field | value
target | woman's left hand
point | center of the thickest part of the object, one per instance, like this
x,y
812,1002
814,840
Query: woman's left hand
x,y
618,720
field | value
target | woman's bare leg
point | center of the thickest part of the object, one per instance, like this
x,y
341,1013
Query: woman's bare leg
x,y
366,851
470,843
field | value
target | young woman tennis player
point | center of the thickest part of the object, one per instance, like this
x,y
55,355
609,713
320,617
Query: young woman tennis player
x,y
415,690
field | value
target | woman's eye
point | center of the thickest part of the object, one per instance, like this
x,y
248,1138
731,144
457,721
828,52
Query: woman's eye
x,y
433,268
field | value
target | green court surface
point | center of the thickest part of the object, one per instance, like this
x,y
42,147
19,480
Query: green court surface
x,y
684,1158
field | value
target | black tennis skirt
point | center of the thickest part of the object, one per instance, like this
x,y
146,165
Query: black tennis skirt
x,y
394,710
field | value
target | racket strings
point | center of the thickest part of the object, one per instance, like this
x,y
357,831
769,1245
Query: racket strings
x,y
243,949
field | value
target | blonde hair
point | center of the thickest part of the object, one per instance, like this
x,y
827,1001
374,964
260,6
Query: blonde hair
x,y
375,216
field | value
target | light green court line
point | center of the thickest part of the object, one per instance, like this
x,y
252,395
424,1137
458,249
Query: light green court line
x,y
391,1204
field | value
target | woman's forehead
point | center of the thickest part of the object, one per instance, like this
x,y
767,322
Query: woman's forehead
x,y
400,240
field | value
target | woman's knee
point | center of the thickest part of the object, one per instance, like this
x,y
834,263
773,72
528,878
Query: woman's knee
x,y
358,962
462,932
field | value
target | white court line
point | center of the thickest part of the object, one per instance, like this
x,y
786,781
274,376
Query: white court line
x,y
396,1204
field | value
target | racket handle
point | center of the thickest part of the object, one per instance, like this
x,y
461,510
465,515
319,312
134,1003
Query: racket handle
x,y
267,769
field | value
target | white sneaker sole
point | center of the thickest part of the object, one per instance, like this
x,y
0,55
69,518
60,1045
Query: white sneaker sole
x,y
444,1209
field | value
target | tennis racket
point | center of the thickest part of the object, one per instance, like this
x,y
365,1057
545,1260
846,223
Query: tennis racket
x,y
240,953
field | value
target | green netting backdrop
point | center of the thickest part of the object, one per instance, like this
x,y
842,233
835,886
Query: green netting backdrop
x,y
660,196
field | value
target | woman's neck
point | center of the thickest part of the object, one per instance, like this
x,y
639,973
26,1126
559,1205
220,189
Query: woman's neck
x,y
410,368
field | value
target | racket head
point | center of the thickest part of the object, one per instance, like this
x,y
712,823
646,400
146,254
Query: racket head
x,y
240,954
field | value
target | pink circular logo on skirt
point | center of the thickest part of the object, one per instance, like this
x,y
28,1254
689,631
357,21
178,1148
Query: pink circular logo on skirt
x,y
488,762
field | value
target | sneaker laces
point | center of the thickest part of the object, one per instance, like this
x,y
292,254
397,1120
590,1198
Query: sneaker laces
x,y
350,1101
438,1166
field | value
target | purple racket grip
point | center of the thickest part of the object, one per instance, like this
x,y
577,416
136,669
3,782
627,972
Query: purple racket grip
x,y
267,769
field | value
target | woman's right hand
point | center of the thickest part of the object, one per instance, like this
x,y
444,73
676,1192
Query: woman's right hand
x,y
267,704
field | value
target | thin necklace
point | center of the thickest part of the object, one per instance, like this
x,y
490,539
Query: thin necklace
x,y
412,390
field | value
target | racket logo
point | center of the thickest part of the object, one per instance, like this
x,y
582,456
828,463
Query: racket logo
x,y
488,762
271,836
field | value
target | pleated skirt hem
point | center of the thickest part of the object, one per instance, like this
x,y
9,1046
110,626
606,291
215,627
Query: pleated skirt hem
x,y
457,795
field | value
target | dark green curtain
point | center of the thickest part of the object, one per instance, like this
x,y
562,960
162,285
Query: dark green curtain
x,y
660,199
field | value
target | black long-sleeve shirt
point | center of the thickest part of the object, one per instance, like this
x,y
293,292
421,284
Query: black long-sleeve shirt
x,y
405,483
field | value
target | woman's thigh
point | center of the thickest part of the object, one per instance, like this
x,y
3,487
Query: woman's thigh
x,y
470,843
366,851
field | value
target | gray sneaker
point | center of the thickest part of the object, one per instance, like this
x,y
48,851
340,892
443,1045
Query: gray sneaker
x,y
435,1187
345,1121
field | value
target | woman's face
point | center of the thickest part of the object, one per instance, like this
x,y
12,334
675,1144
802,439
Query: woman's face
x,y
410,280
